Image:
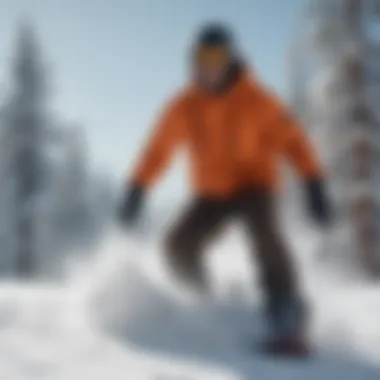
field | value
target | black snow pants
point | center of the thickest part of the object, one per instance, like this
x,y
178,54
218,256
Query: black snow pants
x,y
204,219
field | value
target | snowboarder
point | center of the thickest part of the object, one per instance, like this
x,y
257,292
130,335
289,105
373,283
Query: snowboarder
x,y
234,129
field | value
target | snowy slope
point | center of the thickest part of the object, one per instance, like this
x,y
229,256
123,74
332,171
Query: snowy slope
x,y
120,318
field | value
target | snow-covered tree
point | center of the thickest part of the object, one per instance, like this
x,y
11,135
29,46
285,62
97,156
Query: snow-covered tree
x,y
339,55
47,191
23,134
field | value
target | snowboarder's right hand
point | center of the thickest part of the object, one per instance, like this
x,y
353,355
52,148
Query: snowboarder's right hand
x,y
318,202
131,205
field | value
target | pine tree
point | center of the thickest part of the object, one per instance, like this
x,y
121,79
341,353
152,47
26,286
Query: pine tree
x,y
51,202
344,118
24,135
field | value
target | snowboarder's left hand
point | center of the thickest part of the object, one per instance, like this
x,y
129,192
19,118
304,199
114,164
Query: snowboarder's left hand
x,y
131,205
318,202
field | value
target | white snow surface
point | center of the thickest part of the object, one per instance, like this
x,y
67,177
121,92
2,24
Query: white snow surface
x,y
120,317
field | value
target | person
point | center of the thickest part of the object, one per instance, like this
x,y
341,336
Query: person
x,y
235,130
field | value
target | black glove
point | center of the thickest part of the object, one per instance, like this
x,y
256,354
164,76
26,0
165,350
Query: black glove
x,y
131,205
318,201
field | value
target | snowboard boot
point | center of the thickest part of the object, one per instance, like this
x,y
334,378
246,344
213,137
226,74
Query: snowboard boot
x,y
286,316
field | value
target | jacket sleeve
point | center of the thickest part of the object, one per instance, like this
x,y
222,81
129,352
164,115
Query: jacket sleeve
x,y
160,146
292,140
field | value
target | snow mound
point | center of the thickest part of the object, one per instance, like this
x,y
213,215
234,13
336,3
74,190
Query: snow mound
x,y
134,308
119,316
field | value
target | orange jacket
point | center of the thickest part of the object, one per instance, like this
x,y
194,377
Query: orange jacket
x,y
234,140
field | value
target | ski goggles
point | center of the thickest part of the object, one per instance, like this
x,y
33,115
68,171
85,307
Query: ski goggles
x,y
213,58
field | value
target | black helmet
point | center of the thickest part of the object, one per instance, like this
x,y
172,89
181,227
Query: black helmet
x,y
214,34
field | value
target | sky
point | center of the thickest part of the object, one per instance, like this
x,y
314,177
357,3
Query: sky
x,y
112,64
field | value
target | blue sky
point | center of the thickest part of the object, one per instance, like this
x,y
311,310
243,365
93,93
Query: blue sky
x,y
113,63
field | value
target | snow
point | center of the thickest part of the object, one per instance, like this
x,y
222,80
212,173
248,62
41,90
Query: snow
x,y
120,317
